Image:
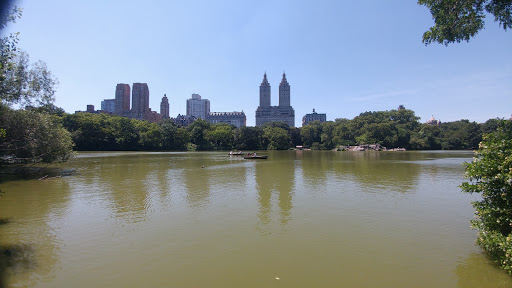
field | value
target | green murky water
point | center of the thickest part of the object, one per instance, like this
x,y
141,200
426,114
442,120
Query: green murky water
x,y
298,219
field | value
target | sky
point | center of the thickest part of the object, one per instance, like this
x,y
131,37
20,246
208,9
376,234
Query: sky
x,y
341,58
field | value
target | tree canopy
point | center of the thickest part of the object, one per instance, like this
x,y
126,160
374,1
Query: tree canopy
x,y
460,20
490,174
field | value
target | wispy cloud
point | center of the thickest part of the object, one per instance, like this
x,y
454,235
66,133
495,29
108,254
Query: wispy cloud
x,y
387,95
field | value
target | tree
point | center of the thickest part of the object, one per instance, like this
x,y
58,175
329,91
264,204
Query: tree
x,y
27,137
198,133
26,83
311,133
149,135
248,138
278,138
457,20
173,137
490,174
33,138
220,136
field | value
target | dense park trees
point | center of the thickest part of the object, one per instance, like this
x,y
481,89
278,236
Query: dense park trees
x,y
392,129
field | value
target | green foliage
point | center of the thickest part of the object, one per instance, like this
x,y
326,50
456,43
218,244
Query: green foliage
x,y
32,137
26,83
457,20
48,108
103,132
311,133
490,174
8,44
460,134
426,138
248,138
197,132
391,129
220,136
277,138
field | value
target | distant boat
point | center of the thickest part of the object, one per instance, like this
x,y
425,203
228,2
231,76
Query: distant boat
x,y
256,157
239,153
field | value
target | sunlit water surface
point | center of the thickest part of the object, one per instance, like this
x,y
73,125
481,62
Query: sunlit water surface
x,y
298,219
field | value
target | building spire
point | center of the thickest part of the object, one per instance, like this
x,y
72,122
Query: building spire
x,y
265,81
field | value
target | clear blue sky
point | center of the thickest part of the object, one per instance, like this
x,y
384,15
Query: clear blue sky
x,y
340,57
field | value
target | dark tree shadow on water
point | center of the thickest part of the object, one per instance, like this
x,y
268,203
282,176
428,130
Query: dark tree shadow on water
x,y
12,173
15,259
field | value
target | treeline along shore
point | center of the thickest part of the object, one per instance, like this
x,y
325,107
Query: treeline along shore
x,y
391,129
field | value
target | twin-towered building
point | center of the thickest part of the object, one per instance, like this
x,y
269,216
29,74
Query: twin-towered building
x,y
267,113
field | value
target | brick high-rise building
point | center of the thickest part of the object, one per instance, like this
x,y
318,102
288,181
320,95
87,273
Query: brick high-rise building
x,y
164,107
122,100
140,100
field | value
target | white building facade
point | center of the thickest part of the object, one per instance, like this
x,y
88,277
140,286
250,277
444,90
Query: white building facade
x,y
197,107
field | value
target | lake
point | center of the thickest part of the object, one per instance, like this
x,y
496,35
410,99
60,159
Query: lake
x,y
205,219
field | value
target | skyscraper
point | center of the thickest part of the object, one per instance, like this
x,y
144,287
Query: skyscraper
x,y
140,100
164,107
122,100
283,113
198,107
265,92
284,92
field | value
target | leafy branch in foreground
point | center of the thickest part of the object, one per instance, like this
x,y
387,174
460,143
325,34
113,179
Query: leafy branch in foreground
x,y
457,20
490,174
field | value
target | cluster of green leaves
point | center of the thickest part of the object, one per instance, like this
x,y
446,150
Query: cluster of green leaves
x,y
457,20
31,137
490,174
26,83
8,44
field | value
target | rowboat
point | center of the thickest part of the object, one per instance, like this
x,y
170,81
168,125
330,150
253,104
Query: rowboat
x,y
256,157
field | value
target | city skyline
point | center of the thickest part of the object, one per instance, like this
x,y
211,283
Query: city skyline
x,y
343,58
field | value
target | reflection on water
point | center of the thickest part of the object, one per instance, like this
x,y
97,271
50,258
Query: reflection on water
x,y
29,242
275,178
311,218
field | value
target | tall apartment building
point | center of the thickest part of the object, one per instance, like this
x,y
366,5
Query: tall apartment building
x,y
267,113
140,100
108,105
322,117
122,100
164,107
198,107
